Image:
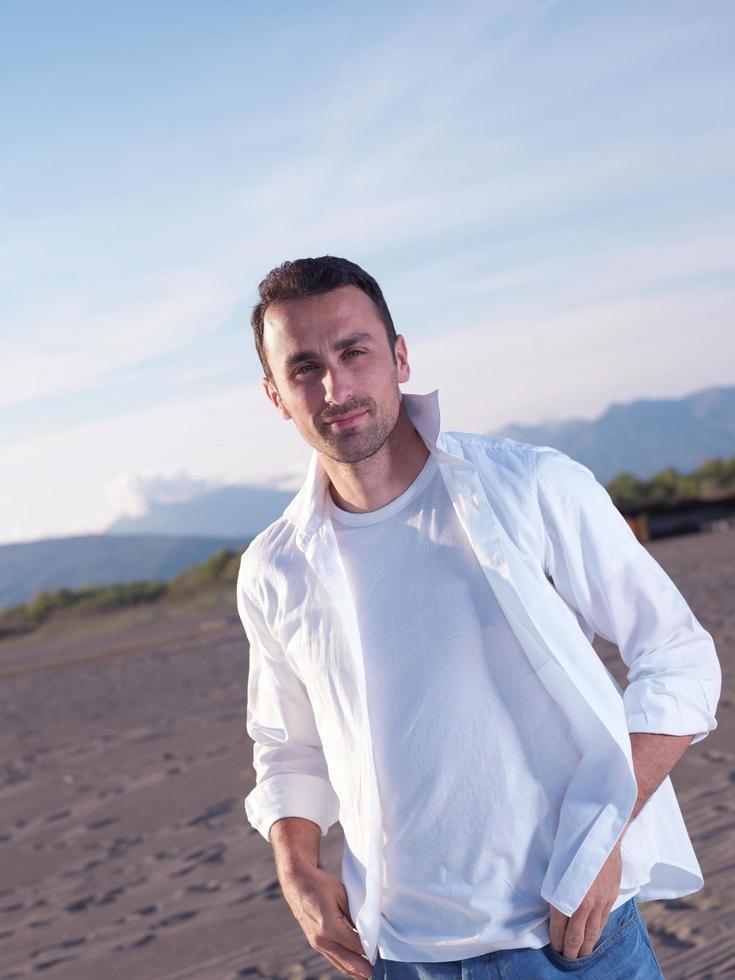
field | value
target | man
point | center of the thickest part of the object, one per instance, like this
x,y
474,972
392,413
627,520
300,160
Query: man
x,y
421,669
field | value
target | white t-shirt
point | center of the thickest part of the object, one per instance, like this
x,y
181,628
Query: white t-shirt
x,y
472,755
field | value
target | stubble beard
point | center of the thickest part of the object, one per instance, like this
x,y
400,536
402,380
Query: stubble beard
x,y
353,445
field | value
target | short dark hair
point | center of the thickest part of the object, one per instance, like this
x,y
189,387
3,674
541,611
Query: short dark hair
x,y
310,277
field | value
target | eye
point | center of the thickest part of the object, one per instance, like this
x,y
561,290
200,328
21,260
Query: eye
x,y
306,367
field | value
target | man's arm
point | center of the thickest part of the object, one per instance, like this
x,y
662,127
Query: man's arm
x,y
654,756
601,569
293,803
295,844
291,771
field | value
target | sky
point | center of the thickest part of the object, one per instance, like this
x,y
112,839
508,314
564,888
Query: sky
x,y
544,191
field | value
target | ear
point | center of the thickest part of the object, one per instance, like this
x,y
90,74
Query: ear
x,y
402,365
273,396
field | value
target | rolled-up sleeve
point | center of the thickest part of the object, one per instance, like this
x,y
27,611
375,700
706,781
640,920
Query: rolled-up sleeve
x,y
600,568
291,771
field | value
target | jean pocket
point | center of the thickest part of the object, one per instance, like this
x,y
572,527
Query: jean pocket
x,y
378,968
618,925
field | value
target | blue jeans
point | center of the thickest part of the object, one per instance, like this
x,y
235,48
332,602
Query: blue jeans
x,y
623,951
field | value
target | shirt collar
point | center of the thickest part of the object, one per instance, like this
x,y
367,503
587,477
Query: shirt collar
x,y
309,508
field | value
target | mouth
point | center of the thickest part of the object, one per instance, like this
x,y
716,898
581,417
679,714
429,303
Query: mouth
x,y
347,420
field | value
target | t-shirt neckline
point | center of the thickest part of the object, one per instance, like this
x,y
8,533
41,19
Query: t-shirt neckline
x,y
423,477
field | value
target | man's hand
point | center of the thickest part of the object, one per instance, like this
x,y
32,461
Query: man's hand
x,y
576,935
654,756
319,902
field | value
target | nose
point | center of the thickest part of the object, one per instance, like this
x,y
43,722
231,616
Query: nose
x,y
337,385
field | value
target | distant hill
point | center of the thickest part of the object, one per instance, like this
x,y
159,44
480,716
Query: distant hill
x,y
100,559
156,546
222,512
643,436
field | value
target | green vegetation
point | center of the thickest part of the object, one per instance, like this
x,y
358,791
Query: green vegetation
x,y
220,569
714,479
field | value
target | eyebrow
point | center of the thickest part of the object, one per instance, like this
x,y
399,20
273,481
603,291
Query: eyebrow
x,y
311,355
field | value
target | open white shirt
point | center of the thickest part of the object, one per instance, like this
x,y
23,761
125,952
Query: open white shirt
x,y
472,754
561,564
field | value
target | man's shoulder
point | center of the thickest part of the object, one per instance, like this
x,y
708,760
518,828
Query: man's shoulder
x,y
501,451
540,477
267,551
542,460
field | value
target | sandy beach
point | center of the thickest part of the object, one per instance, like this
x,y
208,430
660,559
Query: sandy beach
x,y
124,848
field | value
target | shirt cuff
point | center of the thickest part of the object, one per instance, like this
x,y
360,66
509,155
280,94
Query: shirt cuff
x,y
570,877
666,708
292,795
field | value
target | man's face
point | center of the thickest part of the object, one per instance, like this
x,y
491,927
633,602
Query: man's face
x,y
330,358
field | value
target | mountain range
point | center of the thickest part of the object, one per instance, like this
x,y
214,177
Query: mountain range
x,y
83,560
640,437
643,436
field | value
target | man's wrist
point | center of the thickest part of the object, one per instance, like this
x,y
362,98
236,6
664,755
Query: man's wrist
x,y
295,843
290,866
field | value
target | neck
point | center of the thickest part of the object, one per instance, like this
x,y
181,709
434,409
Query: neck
x,y
375,481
